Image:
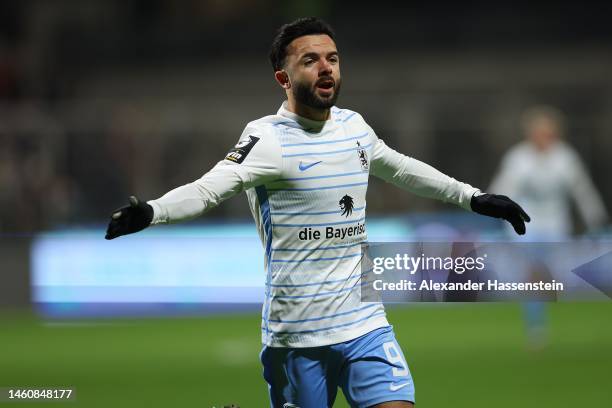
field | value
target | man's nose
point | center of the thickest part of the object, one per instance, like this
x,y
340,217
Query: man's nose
x,y
325,68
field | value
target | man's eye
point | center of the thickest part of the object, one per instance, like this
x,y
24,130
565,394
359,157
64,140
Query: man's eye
x,y
308,62
333,60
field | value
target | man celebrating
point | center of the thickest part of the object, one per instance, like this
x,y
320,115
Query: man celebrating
x,y
305,171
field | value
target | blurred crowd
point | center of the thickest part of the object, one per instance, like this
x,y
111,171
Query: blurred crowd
x,y
103,99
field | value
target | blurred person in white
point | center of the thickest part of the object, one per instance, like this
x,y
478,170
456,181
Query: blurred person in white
x,y
545,174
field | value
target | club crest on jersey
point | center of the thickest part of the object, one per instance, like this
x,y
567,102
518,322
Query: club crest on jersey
x,y
242,149
363,157
346,205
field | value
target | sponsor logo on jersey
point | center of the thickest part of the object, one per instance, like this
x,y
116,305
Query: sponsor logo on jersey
x,y
363,157
394,387
346,205
315,234
305,166
242,149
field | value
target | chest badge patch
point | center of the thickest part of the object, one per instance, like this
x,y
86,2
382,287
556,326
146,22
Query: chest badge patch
x,y
363,157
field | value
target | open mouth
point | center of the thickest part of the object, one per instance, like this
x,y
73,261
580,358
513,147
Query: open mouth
x,y
326,86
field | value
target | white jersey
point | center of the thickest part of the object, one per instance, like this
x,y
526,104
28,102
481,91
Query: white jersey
x,y
544,184
306,182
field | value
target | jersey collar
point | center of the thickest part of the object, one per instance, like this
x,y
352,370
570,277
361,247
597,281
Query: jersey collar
x,y
309,125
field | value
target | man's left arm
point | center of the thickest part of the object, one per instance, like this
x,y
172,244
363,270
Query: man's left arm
x,y
424,180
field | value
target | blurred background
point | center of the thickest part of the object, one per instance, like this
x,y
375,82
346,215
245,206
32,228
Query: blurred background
x,y
101,99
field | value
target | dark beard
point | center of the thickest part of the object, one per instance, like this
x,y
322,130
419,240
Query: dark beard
x,y
305,95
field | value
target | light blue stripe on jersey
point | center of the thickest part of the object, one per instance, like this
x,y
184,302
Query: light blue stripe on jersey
x,y
314,319
327,152
365,183
333,292
330,327
315,259
264,206
285,123
319,225
317,249
286,127
345,119
353,173
356,209
356,137
301,285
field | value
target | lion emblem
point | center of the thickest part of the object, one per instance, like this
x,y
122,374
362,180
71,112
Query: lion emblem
x,y
346,205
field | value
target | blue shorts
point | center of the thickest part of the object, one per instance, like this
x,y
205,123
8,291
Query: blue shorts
x,y
370,369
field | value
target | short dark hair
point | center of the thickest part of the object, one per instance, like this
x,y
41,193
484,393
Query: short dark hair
x,y
291,31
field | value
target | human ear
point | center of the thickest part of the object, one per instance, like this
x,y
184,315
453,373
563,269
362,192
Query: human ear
x,y
282,77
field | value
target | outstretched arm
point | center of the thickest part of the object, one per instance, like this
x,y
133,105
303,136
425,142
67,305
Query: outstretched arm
x,y
252,162
418,177
424,180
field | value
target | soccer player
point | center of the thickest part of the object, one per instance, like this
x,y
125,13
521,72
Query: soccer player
x,y
547,174
305,170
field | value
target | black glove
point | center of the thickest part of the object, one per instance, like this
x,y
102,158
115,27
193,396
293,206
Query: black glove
x,y
500,206
132,218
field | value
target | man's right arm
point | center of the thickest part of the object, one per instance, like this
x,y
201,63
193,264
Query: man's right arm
x,y
191,200
253,161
